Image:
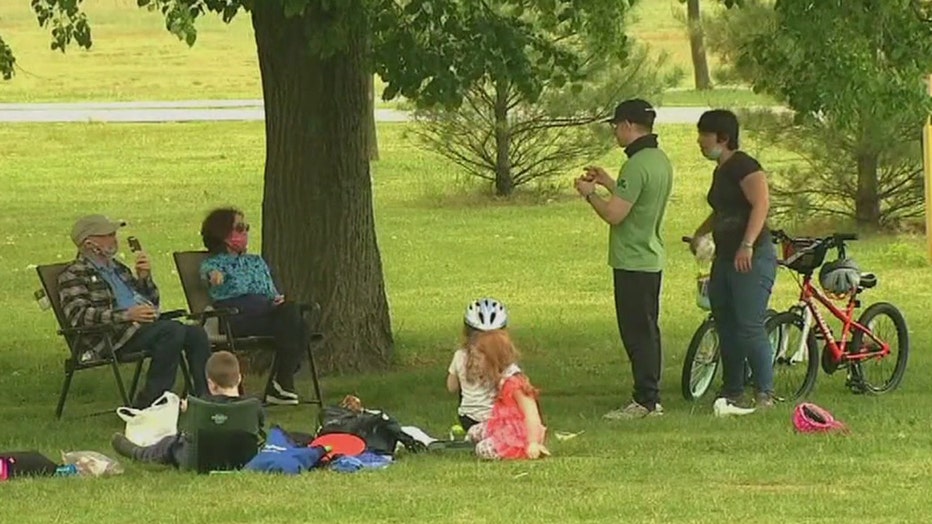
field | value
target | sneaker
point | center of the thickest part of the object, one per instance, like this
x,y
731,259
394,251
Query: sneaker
x,y
633,411
124,446
734,399
765,400
274,398
724,407
282,392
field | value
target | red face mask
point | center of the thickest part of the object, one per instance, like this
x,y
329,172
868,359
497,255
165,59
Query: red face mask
x,y
238,241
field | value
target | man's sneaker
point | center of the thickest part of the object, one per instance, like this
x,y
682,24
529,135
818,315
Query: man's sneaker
x,y
280,396
273,398
282,392
724,407
124,446
633,411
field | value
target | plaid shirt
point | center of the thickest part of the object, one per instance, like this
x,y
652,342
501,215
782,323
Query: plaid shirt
x,y
87,300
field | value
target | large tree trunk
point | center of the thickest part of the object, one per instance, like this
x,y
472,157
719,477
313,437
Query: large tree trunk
x,y
697,46
318,228
867,200
504,184
372,140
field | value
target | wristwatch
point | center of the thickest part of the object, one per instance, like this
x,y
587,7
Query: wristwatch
x,y
747,245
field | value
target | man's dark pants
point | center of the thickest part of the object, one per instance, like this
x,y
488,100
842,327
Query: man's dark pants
x,y
637,308
164,341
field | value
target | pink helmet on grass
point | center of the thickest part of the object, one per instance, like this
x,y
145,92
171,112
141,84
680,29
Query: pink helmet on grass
x,y
809,418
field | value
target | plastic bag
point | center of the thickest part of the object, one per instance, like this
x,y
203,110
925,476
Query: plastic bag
x,y
145,427
92,464
702,293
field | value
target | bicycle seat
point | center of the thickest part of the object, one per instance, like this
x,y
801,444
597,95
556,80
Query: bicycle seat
x,y
868,280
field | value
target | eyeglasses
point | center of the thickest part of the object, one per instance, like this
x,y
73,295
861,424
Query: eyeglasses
x,y
241,227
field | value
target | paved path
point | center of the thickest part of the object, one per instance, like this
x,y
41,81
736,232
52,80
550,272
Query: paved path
x,y
213,111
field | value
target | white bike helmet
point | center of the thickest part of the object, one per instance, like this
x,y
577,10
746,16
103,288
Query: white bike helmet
x,y
486,314
840,278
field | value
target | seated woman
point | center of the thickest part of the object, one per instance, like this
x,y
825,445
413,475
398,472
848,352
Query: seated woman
x,y
243,281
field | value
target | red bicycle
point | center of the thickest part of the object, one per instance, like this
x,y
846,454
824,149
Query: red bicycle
x,y
862,346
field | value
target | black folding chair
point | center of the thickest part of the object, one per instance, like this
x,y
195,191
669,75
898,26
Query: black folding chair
x,y
220,436
48,275
216,321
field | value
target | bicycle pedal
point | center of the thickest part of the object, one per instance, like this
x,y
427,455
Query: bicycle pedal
x,y
857,389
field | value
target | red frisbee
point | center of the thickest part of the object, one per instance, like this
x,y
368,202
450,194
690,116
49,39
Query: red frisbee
x,y
340,444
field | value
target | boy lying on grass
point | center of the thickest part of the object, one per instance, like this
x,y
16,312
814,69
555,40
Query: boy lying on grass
x,y
223,381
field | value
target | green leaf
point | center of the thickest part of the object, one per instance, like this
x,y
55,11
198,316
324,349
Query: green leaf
x,y
851,71
7,60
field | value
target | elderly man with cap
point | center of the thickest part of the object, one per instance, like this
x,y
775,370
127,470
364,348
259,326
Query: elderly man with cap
x,y
634,211
98,289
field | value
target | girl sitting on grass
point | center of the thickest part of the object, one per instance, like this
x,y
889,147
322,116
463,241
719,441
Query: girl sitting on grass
x,y
476,398
515,429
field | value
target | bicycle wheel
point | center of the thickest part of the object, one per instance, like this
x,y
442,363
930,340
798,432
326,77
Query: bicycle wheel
x,y
899,350
701,362
795,362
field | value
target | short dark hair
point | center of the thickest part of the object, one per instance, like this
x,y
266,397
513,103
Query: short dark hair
x,y
724,124
223,369
217,227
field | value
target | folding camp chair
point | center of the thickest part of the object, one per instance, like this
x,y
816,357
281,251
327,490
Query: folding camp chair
x,y
220,436
216,321
75,362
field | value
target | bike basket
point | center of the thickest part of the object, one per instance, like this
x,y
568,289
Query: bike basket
x,y
702,293
803,254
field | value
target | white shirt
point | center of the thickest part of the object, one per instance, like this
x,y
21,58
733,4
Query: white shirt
x,y
477,399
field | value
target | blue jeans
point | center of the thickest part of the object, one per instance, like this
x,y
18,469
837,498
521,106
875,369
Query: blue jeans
x,y
739,306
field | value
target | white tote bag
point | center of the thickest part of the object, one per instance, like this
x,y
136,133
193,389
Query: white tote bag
x,y
145,427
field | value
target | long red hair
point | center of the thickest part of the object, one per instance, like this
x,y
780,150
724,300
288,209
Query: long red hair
x,y
489,354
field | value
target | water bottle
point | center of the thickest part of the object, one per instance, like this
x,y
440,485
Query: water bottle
x,y
68,470
42,299
705,251
5,466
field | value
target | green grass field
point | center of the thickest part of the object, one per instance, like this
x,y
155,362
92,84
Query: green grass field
x,y
548,264
544,258
135,58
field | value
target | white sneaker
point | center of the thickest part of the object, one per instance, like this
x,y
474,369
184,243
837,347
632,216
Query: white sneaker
x,y
723,408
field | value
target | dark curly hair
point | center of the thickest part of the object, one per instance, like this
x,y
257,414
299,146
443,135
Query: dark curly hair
x,y
217,228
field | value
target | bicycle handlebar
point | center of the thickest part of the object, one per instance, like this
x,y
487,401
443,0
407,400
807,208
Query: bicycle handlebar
x,y
844,237
778,235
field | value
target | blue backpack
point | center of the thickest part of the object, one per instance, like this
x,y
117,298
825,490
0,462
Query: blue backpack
x,y
281,455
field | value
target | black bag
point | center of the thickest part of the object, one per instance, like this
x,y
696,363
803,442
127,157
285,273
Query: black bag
x,y
380,431
27,464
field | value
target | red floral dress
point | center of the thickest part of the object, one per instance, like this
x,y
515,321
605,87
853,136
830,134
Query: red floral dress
x,y
504,435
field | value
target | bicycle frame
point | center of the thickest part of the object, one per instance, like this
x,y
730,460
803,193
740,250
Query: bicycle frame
x,y
809,298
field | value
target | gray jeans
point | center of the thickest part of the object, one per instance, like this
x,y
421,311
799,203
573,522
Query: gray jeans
x,y
739,305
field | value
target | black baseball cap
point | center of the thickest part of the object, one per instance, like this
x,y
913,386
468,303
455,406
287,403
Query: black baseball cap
x,y
636,111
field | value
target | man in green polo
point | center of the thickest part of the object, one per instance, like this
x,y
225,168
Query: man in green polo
x,y
634,211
